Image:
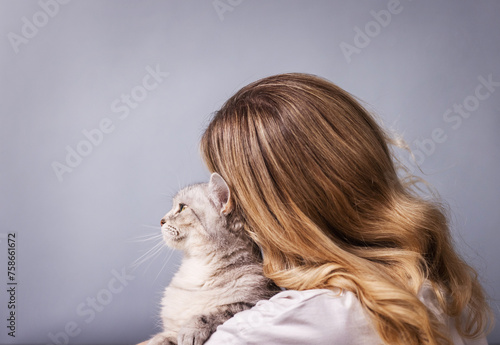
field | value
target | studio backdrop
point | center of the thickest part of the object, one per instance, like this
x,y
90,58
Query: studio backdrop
x,y
103,104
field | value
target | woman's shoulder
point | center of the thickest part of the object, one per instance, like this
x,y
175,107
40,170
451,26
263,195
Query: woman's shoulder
x,y
317,316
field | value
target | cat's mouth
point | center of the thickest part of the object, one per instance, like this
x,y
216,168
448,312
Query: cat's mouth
x,y
171,230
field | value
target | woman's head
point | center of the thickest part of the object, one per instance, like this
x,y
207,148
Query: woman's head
x,y
312,174
296,148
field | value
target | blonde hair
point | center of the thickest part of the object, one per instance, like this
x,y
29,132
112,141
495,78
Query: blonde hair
x,y
312,175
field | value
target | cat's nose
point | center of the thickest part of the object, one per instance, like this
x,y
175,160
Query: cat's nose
x,y
163,221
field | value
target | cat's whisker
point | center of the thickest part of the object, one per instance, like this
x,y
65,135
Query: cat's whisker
x,y
166,261
154,255
146,256
148,234
146,238
150,252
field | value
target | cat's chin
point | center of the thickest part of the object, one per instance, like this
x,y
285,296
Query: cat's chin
x,y
174,241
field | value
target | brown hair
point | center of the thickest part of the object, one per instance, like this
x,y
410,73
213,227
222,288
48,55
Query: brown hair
x,y
312,175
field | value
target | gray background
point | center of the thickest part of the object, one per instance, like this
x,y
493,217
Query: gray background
x,y
73,234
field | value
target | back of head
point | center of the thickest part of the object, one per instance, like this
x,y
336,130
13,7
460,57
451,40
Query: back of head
x,y
311,173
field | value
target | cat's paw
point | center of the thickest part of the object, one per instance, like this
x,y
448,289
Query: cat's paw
x,y
196,332
163,339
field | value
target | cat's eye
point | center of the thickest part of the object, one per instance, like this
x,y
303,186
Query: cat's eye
x,y
181,208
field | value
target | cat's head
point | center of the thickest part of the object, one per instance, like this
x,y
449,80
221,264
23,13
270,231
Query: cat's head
x,y
198,218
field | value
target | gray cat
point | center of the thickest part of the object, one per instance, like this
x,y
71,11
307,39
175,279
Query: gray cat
x,y
221,271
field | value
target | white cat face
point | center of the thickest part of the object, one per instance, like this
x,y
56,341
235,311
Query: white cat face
x,y
197,214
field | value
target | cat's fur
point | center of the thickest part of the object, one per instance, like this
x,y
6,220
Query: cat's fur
x,y
221,272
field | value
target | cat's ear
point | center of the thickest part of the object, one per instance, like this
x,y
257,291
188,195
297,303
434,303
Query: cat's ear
x,y
219,193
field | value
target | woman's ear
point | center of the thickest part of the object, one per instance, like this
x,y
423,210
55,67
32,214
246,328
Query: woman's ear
x,y
218,192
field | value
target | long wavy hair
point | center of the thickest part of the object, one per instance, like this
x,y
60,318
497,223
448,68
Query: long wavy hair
x,y
314,178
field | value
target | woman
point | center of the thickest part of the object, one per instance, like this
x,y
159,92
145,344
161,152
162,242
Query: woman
x,y
364,258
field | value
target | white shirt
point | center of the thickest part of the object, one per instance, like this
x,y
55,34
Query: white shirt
x,y
312,317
